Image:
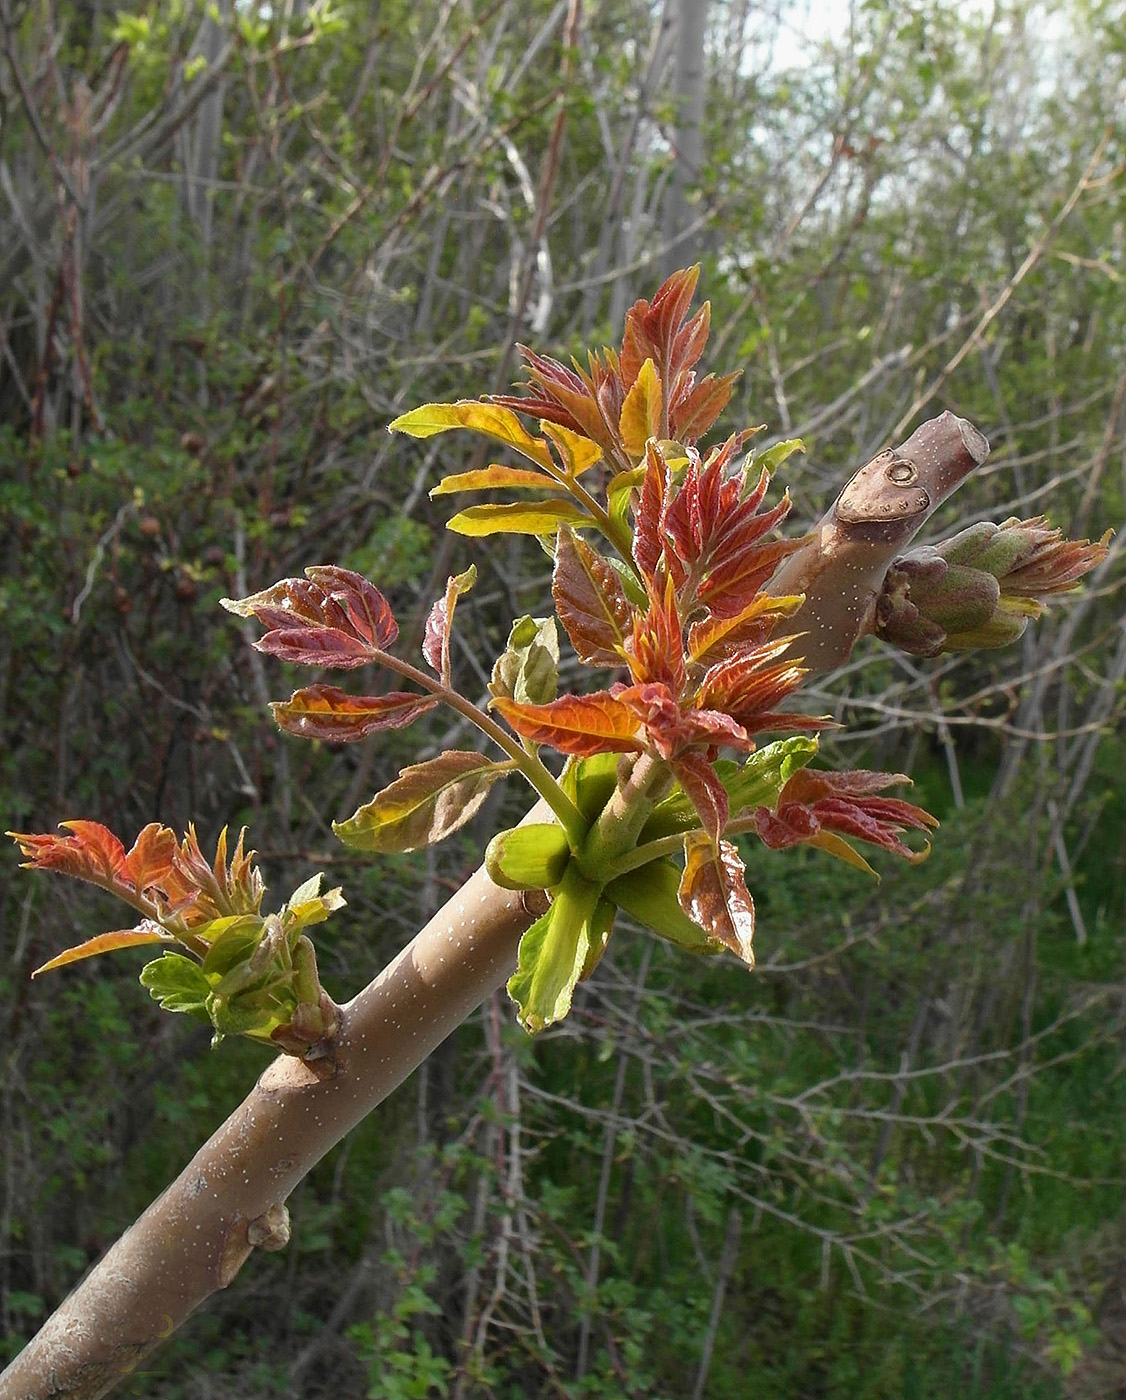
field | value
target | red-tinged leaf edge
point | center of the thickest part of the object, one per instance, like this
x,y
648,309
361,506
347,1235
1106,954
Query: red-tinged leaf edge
x,y
436,639
590,601
107,943
713,893
326,712
426,803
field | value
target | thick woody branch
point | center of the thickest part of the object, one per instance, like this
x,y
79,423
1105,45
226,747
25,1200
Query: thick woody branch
x,y
842,565
231,1197
195,1237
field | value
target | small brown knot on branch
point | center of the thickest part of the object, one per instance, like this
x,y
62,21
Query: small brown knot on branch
x,y
270,1231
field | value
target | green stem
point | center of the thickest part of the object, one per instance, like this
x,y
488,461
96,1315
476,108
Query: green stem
x,y
569,816
618,538
624,815
652,850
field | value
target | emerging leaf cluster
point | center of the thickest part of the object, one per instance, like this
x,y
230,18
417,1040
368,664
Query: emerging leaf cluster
x,y
661,556
243,972
663,552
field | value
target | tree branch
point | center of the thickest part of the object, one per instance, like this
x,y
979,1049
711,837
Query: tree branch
x,y
196,1236
231,1197
882,508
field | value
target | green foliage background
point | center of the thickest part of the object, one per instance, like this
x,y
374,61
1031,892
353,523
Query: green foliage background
x,y
888,1164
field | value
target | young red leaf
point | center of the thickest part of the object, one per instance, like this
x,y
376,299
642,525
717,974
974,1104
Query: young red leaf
x,y
656,647
649,526
652,327
93,853
672,729
590,601
564,396
576,724
367,608
690,341
733,584
705,791
436,640
329,713
335,617
107,943
428,801
815,803
715,639
745,687
90,852
198,891
714,895
691,416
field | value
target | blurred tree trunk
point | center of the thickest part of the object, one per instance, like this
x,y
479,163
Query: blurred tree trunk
x,y
681,217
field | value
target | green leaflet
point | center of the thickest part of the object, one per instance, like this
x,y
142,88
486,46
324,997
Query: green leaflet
x,y
590,782
518,518
553,954
178,984
527,671
649,895
232,940
773,457
532,857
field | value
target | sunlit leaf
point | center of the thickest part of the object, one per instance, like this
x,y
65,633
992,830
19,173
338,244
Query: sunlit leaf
x,y
714,895
576,724
641,412
496,478
496,422
577,452
517,518
424,804
106,943
329,713
307,906
834,845
714,638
